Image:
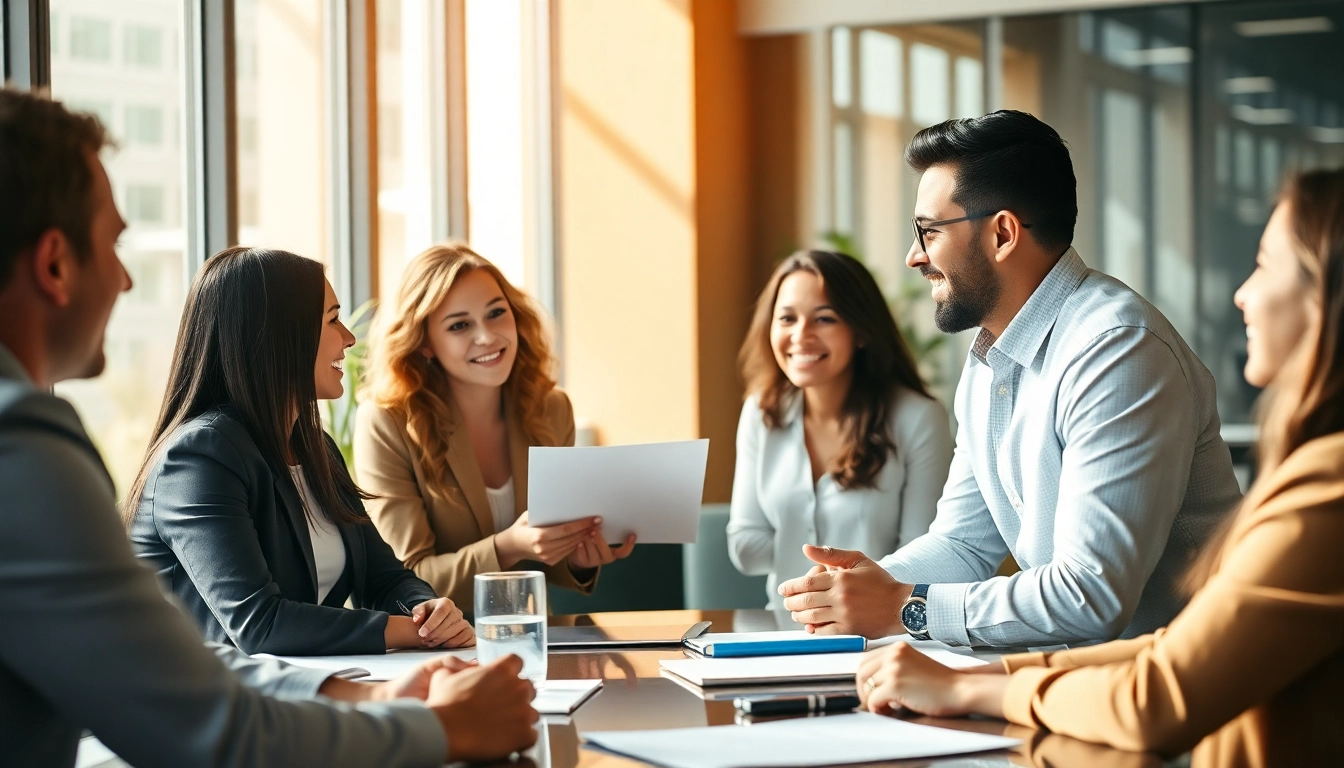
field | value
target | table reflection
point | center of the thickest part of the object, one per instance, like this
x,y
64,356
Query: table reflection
x,y
636,696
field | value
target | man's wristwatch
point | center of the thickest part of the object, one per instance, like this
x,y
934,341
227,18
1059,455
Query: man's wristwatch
x,y
915,613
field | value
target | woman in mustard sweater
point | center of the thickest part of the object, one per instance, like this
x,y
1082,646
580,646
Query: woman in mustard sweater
x,y
1251,673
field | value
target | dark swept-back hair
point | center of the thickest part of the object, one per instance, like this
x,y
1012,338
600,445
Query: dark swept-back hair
x,y
45,178
248,340
882,362
1006,161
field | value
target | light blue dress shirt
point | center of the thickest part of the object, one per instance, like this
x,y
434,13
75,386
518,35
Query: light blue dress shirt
x,y
1088,447
776,508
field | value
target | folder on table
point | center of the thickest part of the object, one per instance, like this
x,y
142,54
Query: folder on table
x,y
740,644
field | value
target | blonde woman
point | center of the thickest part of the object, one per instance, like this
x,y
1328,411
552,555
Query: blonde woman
x,y
460,386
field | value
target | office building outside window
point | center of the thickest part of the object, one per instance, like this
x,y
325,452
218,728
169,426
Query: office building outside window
x,y
135,101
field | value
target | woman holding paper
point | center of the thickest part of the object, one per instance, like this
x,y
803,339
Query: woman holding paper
x,y
839,444
243,505
461,385
1250,673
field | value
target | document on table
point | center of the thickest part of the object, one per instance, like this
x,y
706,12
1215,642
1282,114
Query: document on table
x,y
652,491
561,697
554,697
769,670
373,666
861,737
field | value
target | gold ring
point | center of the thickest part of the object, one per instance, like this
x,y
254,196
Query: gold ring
x,y
871,684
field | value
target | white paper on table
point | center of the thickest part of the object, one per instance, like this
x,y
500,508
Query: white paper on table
x,y
378,666
861,737
652,491
561,697
768,670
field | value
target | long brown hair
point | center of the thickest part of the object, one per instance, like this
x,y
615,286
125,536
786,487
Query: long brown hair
x,y
1306,399
248,340
403,380
882,362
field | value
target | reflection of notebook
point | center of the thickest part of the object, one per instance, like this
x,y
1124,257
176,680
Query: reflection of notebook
x,y
629,637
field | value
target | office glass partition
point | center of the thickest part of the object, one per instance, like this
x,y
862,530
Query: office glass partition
x,y
1271,100
282,111
1181,119
123,61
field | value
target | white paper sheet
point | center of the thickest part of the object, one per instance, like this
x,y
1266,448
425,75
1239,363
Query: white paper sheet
x,y
834,740
561,697
769,670
555,697
652,491
381,666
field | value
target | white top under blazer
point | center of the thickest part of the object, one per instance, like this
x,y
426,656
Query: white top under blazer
x,y
776,509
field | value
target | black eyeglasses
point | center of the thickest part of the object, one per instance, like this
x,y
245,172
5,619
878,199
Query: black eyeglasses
x,y
920,229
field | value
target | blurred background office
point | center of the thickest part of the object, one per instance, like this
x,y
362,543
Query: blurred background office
x,y
640,165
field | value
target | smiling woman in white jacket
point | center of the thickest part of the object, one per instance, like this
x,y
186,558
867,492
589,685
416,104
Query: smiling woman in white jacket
x,y
839,444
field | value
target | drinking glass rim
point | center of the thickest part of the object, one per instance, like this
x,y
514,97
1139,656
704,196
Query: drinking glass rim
x,y
509,575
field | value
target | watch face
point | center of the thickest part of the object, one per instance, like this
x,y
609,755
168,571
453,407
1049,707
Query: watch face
x,y
915,616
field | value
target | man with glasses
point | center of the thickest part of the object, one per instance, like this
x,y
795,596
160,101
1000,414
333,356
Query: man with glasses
x,y
1088,443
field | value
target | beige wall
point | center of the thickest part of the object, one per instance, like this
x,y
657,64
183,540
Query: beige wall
x,y
654,220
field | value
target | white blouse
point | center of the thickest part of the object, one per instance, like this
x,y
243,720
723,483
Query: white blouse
x,y
776,509
328,548
501,505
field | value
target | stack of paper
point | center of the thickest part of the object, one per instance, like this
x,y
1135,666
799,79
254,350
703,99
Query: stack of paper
x,y
834,740
770,670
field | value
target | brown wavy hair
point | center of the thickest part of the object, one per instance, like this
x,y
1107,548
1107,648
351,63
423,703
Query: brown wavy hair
x,y
403,380
882,362
1306,399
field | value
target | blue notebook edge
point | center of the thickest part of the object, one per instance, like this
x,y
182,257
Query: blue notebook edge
x,y
785,647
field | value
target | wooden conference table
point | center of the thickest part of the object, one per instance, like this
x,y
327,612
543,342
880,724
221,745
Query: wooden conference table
x,y
636,696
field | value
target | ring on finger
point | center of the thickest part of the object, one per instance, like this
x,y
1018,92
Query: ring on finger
x,y
870,684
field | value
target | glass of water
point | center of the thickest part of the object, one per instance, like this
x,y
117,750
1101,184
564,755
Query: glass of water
x,y
511,618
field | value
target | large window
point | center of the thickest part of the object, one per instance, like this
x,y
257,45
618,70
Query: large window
x,y
283,186
886,84
1181,119
405,197
135,100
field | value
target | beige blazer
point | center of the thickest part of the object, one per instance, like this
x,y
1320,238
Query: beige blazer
x,y
448,541
1251,673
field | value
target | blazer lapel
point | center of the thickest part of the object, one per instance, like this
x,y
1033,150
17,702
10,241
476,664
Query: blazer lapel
x,y
518,451
356,561
462,461
298,521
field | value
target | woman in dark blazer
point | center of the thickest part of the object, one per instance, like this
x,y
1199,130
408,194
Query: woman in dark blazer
x,y
243,505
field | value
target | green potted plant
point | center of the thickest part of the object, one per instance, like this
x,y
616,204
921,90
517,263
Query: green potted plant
x,y
339,415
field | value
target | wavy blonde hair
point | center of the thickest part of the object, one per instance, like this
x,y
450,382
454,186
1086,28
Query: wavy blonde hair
x,y
403,380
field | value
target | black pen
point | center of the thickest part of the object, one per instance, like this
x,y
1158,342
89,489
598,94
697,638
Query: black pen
x,y
797,705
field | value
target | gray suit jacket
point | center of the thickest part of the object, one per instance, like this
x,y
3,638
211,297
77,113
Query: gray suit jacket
x,y
88,641
227,534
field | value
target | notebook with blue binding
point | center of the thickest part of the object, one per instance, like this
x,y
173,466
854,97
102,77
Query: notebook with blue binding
x,y
728,645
